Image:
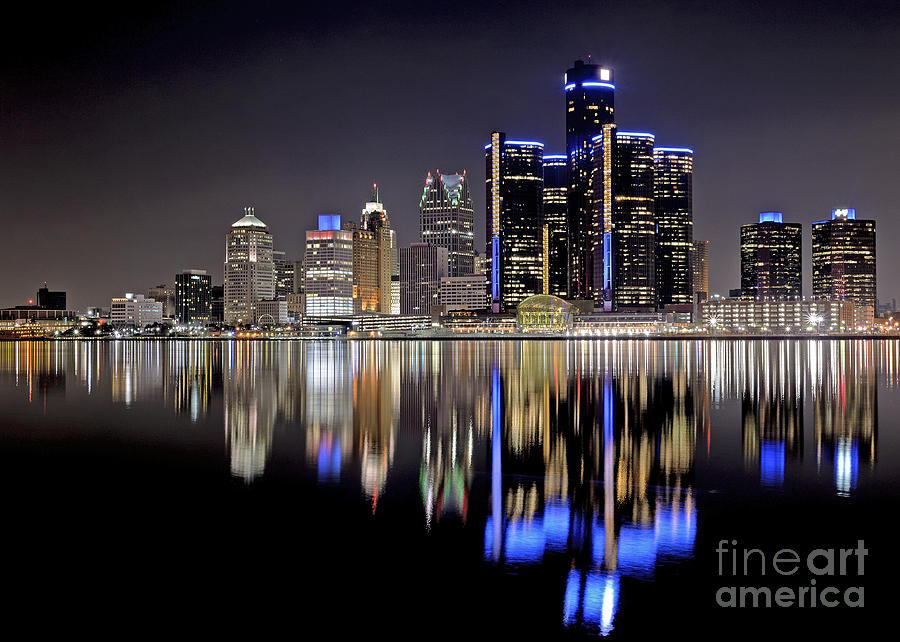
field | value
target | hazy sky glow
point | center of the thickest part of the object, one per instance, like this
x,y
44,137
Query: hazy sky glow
x,y
130,142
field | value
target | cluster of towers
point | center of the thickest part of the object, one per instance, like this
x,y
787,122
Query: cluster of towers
x,y
609,223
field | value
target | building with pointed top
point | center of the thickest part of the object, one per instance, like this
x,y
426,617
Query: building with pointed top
x,y
447,219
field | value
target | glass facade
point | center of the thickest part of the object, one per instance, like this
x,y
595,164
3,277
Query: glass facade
x,y
700,269
771,252
544,313
589,94
514,192
634,223
556,226
447,219
673,171
843,260
328,280
193,297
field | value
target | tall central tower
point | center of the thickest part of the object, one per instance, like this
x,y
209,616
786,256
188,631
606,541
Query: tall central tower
x,y
589,93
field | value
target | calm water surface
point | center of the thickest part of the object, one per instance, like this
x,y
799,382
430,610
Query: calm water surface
x,y
557,488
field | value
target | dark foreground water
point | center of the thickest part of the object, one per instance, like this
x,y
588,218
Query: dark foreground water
x,y
545,489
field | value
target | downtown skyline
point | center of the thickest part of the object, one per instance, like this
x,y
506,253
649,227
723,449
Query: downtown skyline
x,y
94,199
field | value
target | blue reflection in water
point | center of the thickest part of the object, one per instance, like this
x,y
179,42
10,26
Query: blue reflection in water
x,y
771,462
329,460
591,598
846,465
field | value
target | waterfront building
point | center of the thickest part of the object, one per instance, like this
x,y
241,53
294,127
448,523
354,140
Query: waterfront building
x,y
589,98
514,195
272,312
193,297
776,316
700,270
422,266
217,296
328,283
634,223
843,261
366,273
50,300
467,292
249,268
673,170
447,219
771,258
555,231
600,261
544,313
165,295
134,310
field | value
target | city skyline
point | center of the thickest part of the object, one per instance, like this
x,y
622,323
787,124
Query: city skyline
x,y
121,164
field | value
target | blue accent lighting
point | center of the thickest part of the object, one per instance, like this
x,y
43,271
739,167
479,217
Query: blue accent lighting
x,y
844,212
676,150
571,85
589,83
636,134
524,143
554,157
329,222
770,217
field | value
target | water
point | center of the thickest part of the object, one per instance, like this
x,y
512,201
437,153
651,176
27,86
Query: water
x,y
557,488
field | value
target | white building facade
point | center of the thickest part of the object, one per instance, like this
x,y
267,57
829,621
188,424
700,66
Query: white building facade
x,y
249,268
135,310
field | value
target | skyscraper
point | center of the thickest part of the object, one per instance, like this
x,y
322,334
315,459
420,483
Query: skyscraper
x,y
329,269
366,295
602,259
700,269
514,195
374,219
51,300
770,258
422,266
843,259
589,106
193,297
447,219
673,170
284,274
555,224
249,269
634,223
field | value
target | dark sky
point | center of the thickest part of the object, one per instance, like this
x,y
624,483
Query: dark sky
x,y
131,138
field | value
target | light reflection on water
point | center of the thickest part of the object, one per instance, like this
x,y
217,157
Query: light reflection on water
x,y
590,450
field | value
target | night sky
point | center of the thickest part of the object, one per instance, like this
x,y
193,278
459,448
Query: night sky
x,y
130,139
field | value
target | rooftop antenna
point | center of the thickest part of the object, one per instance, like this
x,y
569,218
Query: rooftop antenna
x,y
375,192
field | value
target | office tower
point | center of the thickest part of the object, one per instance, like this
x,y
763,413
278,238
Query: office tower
x,y
193,297
700,269
272,312
422,266
217,296
673,170
601,261
467,292
843,258
134,310
514,193
249,270
284,274
770,259
480,263
375,220
50,300
366,296
634,224
556,188
329,269
447,219
165,295
589,106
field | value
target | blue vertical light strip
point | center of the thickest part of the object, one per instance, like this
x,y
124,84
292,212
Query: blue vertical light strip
x,y
607,267
496,467
495,268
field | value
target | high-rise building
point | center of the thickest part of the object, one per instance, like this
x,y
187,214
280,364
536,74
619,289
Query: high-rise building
x,y
217,294
700,269
447,219
514,231
329,269
634,223
601,259
375,221
284,274
50,300
843,259
590,95
556,188
366,298
193,297
249,269
770,259
463,292
673,170
422,266
134,310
